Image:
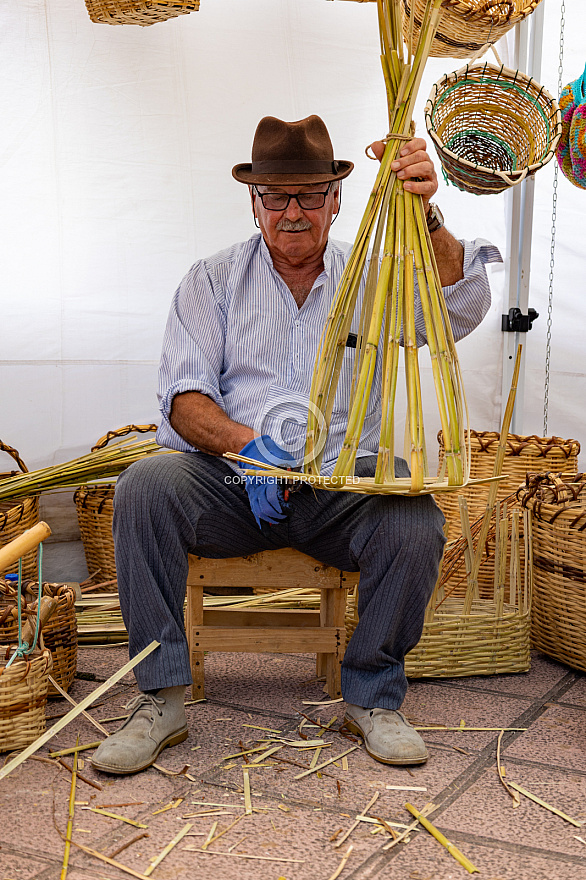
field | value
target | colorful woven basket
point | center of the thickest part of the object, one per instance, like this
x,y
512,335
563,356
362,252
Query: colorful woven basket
x,y
467,26
571,151
23,698
141,12
492,127
95,510
558,506
17,516
523,453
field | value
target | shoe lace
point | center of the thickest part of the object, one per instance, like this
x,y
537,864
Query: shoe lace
x,y
145,700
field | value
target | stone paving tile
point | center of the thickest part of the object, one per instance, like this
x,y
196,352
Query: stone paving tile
x,y
576,694
425,859
19,867
543,675
486,809
429,704
556,737
267,681
267,691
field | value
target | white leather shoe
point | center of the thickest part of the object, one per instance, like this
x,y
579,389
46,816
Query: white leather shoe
x,y
387,735
155,723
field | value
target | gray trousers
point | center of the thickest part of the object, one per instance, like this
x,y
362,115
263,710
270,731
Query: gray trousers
x,y
168,506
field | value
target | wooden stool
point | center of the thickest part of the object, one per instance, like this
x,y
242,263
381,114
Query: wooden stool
x,y
258,630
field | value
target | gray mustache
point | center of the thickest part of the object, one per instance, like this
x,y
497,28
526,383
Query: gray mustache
x,y
286,225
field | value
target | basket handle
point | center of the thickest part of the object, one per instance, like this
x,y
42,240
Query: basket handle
x,y
123,432
14,454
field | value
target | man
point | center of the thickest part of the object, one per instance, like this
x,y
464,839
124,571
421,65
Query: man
x,y
239,349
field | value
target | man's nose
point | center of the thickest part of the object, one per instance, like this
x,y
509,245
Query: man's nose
x,y
293,211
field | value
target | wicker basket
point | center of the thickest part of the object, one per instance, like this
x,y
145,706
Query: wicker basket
x,y
492,127
23,698
467,26
558,506
60,636
95,509
18,516
141,12
523,454
59,633
466,635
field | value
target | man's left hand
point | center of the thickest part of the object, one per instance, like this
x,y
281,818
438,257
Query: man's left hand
x,y
413,162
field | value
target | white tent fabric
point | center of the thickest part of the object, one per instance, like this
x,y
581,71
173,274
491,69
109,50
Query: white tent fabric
x,y
117,147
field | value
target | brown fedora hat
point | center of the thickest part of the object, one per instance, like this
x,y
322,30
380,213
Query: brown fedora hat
x,y
291,152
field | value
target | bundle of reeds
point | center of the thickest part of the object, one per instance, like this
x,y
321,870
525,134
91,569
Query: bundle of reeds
x,y
105,464
99,619
402,263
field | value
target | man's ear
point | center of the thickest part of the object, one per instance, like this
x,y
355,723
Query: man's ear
x,y
253,203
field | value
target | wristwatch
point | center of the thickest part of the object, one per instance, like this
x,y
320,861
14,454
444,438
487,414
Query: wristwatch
x,y
434,217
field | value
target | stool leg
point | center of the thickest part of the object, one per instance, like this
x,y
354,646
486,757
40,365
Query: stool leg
x,y
332,613
194,624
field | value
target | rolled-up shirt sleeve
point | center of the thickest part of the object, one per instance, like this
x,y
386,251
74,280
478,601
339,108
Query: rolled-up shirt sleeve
x,y
193,349
468,300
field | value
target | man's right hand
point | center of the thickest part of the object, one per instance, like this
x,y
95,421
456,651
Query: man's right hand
x,y
265,493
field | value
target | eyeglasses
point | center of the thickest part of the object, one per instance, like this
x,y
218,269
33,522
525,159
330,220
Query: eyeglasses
x,y
274,201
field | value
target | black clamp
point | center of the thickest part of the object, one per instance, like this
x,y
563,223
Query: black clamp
x,y
517,322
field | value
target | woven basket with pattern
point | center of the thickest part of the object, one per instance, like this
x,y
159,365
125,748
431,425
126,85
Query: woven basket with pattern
x,y
558,506
141,12
467,26
23,698
523,454
95,509
492,127
17,516
59,633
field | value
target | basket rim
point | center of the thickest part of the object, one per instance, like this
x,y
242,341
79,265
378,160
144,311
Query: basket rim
x,y
511,177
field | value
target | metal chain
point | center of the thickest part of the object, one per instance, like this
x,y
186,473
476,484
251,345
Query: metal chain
x,y
553,231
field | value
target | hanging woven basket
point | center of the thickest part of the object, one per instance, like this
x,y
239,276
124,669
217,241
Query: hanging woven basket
x,y
141,12
23,698
492,127
95,510
523,453
558,506
467,26
18,516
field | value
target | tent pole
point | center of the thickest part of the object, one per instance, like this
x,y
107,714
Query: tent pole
x,y
519,207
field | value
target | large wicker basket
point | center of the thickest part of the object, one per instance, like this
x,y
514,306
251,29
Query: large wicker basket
x,y
523,454
467,26
95,509
465,634
492,127
558,506
59,633
23,698
17,516
141,12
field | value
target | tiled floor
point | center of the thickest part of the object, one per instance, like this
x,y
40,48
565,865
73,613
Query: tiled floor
x,y
296,819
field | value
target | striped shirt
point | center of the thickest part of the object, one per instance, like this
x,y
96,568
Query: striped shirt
x,y
235,334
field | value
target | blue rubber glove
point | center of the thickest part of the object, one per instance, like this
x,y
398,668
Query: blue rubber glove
x,y
264,493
